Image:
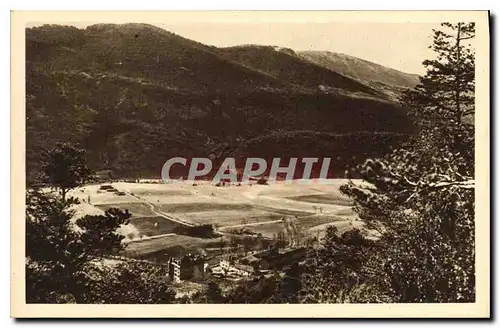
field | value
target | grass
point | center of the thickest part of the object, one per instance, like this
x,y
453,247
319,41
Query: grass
x,y
303,223
223,214
322,199
267,230
146,225
281,211
168,245
161,192
202,207
136,209
228,218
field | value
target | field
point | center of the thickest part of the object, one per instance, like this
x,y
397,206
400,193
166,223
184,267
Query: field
x,y
162,248
154,225
157,210
304,225
136,209
322,199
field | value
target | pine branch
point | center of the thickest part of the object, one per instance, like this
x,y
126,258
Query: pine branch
x,y
466,38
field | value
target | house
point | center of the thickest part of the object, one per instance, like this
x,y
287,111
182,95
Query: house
x,y
224,265
174,269
241,270
187,267
226,268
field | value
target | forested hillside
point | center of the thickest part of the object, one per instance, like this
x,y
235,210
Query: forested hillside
x,y
134,95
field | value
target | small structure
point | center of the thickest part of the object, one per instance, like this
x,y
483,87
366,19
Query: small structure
x,y
174,269
229,269
187,267
224,265
241,270
107,188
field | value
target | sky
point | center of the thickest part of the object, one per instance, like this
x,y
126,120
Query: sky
x,y
402,46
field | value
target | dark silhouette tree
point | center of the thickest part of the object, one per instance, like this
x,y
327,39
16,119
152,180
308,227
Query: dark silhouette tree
x,y
65,168
446,92
60,247
65,257
421,196
342,270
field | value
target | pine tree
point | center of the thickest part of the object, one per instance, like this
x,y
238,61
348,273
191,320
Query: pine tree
x,y
421,196
446,92
65,168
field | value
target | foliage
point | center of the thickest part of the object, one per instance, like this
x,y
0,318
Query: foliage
x,y
446,92
256,291
65,168
342,270
212,294
421,196
65,257
131,283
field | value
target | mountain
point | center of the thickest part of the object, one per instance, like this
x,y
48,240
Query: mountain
x,y
142,52
134,95
387,80
285,65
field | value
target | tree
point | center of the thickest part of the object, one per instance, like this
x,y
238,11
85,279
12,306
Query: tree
x,y
421,196
260,290
291,284
65,257
65,168
281,240
343,269
211,294
446,92
131,283
248,243
60,246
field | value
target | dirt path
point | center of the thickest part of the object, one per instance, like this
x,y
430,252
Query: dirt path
x,y
168,217
161,213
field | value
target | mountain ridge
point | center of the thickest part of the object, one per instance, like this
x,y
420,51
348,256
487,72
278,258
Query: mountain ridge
x,y
385,79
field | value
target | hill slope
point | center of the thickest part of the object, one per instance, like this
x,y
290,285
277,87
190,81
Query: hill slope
x,y
135,95
286,66
385,79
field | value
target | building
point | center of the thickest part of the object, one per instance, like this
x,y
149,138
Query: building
x,y
241,270
224,265
174,269
187,267
229,269
275,259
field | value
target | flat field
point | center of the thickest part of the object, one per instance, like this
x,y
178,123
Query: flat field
x,y
157,208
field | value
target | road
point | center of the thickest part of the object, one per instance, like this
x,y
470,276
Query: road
x,y
161,213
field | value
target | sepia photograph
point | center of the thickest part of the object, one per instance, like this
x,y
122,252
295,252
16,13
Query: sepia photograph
x,y
310,159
